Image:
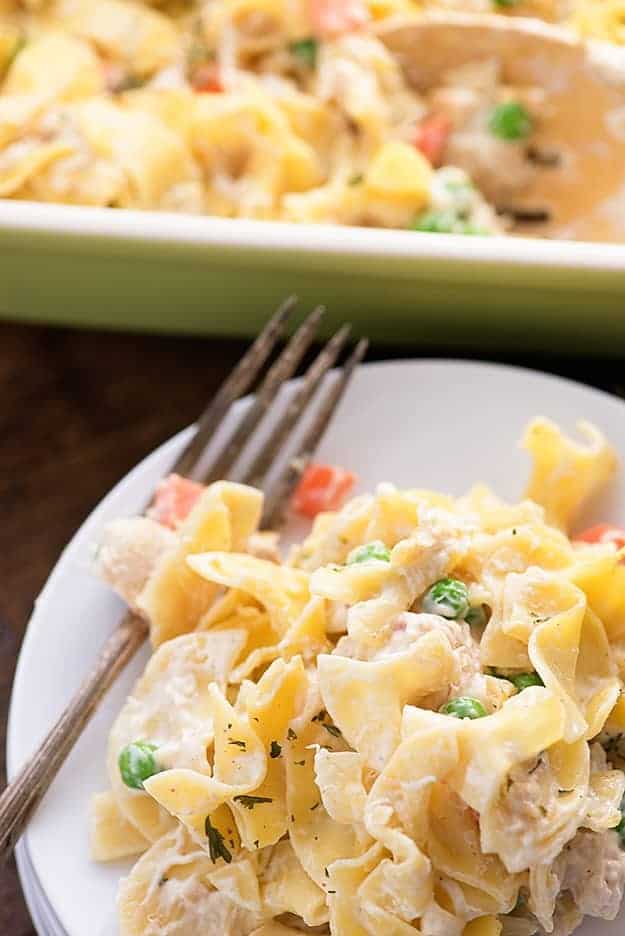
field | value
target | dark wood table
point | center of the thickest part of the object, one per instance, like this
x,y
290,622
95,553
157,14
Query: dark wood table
x,y
77,410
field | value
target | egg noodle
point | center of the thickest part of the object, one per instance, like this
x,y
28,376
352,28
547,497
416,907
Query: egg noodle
x,y
412,725
270,109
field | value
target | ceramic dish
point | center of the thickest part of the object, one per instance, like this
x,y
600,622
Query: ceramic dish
x,y
412,405
155,271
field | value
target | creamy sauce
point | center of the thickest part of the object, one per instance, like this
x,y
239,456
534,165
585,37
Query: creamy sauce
x,y
581,117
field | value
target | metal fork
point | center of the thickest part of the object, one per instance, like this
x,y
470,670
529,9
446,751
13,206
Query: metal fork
x,y
21,797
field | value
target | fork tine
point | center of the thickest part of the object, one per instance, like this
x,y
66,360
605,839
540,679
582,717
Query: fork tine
x,y
237,383
311,380
283,368
276,500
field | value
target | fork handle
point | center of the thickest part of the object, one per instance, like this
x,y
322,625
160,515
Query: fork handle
x,y
22,796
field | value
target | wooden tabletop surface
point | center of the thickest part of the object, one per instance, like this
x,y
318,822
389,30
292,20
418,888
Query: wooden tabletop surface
x,y
77,410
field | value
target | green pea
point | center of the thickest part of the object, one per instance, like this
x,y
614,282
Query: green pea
x,y
464,707
510,121
506,4
525,680
305,50
445,222
477,616
375,550
621,826
448,597
136,763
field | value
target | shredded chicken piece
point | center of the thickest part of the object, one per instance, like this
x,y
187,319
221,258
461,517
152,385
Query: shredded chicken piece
x,y
539,816
532,793
592,869
129,552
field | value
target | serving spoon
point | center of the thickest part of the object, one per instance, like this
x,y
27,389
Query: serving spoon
x,y
580,195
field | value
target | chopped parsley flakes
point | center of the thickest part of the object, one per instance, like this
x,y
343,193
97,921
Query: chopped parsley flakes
x,y
334,731
248,802
216,845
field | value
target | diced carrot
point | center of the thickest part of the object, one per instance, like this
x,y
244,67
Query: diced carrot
x,y
335,17
206,79
174,499
431,137
602,533
322,487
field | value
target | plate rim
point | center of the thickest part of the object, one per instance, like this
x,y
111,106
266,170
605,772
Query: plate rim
x,y
44,919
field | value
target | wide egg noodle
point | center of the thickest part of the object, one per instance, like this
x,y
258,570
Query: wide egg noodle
x,y
544,624
271,882
235,609
306,637
171,707
346,875
365,698
272,703
287,888
239,881
152,160
129,33
174,598
530,723
571,652
18,173
399,888
454,906
339,777
168,891
224,126
57,67
52,68
600,573
453,844
282,591
18,113
240,766
565,473
597,683
112,836
316,839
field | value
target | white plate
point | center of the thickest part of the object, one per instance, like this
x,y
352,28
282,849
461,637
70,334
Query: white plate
x,y
437,424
